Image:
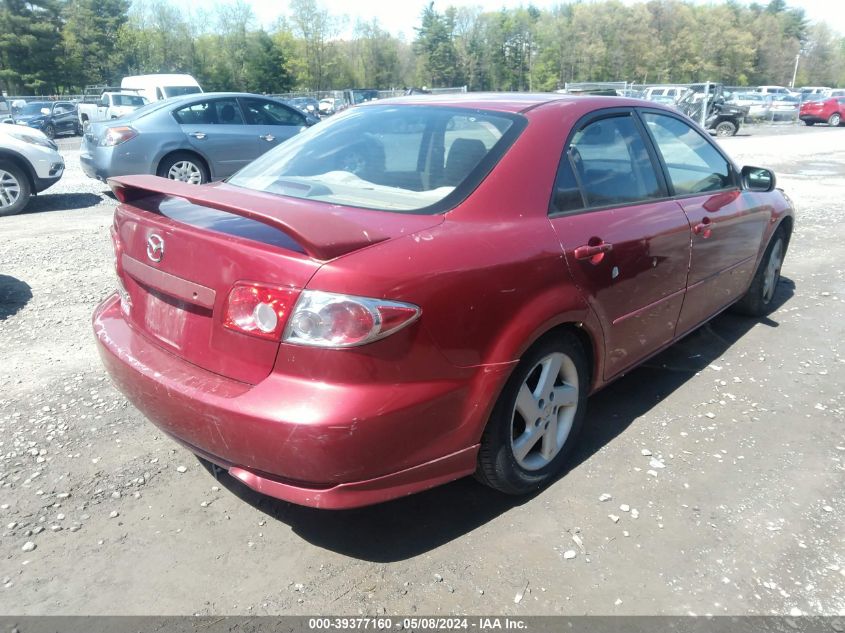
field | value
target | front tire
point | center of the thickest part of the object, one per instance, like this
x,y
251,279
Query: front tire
x,y
184,167
809,122
50,131
536,420
15,189
725,128
758,301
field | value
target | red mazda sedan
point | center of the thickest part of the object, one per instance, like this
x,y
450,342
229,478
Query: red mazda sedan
x,y
426,288
830,111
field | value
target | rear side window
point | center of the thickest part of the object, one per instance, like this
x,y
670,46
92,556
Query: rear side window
x,y
694,165
212,112
611,164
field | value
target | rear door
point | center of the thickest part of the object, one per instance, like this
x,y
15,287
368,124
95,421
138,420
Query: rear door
x,y
727,223
270,123
215,129
626,245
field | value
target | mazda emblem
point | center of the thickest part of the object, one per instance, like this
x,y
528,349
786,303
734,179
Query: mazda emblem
x,y
155,247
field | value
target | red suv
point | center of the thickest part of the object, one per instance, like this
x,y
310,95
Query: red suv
x,y
830,111
426,288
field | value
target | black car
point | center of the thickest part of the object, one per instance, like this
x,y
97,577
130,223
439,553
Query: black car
x,y
51,117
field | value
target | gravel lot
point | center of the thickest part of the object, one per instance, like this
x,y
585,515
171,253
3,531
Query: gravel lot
x,y
723,460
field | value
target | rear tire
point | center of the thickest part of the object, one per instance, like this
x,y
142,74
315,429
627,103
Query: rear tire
x,y
184,167
536,420
834,120
758,301
15,189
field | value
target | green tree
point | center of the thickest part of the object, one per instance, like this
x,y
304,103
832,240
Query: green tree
x,y
90,40
30,46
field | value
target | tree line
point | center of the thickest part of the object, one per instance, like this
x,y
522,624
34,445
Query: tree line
x,y
60,46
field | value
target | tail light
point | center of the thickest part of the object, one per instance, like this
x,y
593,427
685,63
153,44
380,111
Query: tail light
x,y
325,319
117,135
258,309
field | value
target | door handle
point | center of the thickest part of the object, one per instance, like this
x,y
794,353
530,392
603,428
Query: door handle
x,y
198,135
267,137
703,228
595,253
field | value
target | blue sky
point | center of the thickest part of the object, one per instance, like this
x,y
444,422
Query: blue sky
x,y
401,16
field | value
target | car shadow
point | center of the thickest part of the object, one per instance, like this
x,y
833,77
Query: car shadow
x,y
14,295
407,527
62,202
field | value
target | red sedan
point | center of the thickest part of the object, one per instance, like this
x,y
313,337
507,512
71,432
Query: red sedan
x,y
830,111
426,288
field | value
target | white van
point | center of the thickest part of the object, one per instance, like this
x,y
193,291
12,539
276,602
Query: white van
x,y
675,92
776,91
158,87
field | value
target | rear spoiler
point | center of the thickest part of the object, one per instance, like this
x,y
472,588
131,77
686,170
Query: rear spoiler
x,y
322,234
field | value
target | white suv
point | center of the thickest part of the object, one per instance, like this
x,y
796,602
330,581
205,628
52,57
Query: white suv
x,y
29,163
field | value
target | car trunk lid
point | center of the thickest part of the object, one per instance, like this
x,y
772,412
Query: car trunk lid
x,y
181,248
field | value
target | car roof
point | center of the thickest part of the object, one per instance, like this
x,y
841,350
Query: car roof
x,y
199,96
513,102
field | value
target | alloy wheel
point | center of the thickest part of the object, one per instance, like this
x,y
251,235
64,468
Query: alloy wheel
x,y
185,171
772,274
10,189
544,411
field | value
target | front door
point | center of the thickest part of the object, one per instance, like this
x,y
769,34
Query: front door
x,y
626,245
727,224
215,129
270,123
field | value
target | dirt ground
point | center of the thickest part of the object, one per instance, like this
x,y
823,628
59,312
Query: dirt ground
x,y
746,517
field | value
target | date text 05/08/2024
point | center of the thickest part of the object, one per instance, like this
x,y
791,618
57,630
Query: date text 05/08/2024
x,y
416,624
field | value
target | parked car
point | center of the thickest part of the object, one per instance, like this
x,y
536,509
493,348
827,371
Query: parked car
x,y
830,111
109,105
330,105
673,92
776,91
161,86
759,105
29,164
784,107
428,288
308,105
51,117
194,138
835,92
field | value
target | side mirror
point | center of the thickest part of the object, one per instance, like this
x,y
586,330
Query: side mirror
x,y
757,179
45,111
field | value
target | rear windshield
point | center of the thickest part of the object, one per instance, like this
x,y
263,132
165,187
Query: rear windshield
x,y
414,159
178,91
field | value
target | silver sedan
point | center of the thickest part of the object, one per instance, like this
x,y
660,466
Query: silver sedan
x,y
196,138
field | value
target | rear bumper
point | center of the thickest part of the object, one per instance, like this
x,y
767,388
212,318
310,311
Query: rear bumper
x,y
303,441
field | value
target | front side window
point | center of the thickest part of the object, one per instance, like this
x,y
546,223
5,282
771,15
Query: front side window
x,y
262,112
211,112
694,165
390,158
612,164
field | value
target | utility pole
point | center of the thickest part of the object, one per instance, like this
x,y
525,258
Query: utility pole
x,y
795,71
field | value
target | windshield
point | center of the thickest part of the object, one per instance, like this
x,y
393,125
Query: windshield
x,y
178,91
390,158
34,107
128,100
